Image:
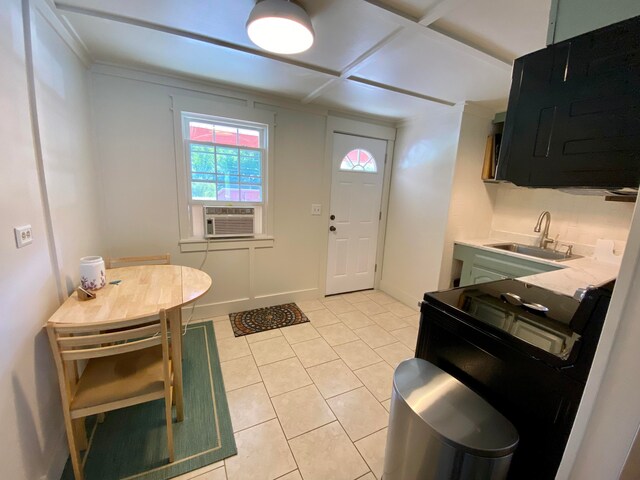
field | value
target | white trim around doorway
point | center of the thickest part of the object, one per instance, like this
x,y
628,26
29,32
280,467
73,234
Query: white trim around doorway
x,y
354,127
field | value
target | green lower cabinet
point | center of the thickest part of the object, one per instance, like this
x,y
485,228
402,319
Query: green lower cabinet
x,y
480,266
482,275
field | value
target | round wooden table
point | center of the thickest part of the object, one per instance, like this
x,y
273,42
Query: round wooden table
x,y
143,290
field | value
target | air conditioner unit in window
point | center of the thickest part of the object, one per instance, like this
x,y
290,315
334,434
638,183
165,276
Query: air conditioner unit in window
x,y
228,222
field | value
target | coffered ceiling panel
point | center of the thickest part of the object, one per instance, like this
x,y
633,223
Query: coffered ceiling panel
x,y
500,26
427,66
372,56
219,18
144,48
344,30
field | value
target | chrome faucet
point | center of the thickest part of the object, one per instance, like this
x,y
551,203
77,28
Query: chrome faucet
x,y
544,238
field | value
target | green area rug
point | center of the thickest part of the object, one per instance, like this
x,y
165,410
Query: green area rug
x,y
132,444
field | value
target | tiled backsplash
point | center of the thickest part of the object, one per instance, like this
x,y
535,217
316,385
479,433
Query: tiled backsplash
x,y
577,219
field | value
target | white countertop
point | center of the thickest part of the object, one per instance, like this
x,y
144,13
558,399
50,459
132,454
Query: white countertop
x,y
573,274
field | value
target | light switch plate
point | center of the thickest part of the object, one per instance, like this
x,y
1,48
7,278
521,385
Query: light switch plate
x,y
316,209
24,235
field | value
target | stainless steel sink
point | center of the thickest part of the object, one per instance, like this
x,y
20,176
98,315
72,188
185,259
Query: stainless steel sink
x,y
534,251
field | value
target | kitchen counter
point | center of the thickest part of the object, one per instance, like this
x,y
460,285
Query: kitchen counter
x,y
573,274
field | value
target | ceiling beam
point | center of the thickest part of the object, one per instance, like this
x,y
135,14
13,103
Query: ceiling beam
x,y
396,11
402,91
439,10
434,13
346,74
192,36
354,66
424,26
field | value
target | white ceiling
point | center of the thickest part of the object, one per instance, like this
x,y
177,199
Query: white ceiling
x,y
388,58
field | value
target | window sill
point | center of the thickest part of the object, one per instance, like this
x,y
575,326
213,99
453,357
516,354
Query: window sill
x,y
201,245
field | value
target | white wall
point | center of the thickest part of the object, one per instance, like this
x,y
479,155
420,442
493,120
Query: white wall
x,y
575,17
577,219
64,118
472,200
32,440
421,180
135,143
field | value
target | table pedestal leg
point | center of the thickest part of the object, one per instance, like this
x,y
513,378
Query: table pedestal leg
x,y
175,322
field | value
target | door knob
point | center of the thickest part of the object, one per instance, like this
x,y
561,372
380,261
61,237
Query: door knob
x,y
332,228
332,217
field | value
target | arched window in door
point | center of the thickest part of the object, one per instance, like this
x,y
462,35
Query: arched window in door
x,y
359,160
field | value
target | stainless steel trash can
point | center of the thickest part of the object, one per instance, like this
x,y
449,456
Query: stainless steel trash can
x,y
439,429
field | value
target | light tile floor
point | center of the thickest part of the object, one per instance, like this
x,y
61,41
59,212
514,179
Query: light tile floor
x,y
311,401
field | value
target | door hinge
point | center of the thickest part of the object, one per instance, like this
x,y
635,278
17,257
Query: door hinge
x,y
375,269
380,216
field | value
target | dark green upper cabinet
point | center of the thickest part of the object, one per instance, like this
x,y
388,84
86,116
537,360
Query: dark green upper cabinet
x,y
573,118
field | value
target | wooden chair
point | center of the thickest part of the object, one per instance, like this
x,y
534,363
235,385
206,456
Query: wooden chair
x,y
128,363
144,260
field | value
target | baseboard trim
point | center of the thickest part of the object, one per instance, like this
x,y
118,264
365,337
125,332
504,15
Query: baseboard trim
x,y
214,309
407,298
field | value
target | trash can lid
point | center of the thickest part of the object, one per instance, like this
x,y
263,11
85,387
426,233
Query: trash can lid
x,y
456,414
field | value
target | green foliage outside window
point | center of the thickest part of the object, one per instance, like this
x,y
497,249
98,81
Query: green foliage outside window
x,y
225,173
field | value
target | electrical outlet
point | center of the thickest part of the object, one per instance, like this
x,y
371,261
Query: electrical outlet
x,y
316,209
24,236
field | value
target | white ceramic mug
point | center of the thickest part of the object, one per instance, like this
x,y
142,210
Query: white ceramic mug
x,y
92,275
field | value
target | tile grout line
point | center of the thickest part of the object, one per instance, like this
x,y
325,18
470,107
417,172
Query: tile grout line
x,y
372,433
336,419
244,386
221,467
367,436
275,361
280,423
332,347
369,472
336,415
374,395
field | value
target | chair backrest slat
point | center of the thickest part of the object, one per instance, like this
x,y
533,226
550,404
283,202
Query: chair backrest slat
x,y
105,351
81,342
101,338
141,260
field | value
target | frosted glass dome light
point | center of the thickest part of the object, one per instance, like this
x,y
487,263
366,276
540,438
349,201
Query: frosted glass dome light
x,y
280,26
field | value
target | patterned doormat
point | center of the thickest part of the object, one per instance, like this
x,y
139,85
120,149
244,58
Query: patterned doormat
x,y
268,318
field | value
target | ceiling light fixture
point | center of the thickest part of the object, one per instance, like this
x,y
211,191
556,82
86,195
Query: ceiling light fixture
x,y
280,26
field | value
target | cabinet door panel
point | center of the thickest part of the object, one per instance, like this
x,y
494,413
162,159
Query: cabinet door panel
x,y
537,336
508,266
480,275
480,266
574,113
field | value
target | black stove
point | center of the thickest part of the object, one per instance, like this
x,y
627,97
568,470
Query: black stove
x,y
526,350
533,315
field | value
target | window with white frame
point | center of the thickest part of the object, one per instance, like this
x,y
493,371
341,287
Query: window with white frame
x,y
226,160
226,164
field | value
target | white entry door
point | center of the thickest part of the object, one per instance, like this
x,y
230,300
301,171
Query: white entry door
x,y
356,192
